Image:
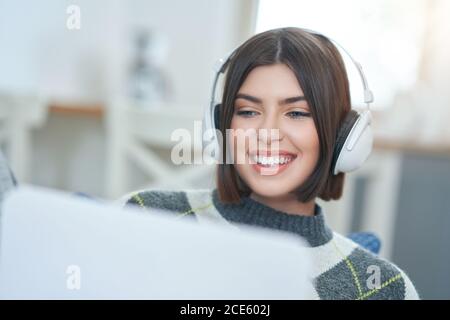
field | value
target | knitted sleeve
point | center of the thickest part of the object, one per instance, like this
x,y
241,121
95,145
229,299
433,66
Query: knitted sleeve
x,y
173,201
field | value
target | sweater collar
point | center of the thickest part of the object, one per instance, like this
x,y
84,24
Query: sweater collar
x,y
252,212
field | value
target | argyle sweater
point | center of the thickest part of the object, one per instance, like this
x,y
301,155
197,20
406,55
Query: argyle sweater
x,y
340,266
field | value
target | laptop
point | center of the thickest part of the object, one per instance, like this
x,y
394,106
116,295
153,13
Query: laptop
x,y
55,245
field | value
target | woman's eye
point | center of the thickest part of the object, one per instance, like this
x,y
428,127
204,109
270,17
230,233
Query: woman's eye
x,y
246,113
298,114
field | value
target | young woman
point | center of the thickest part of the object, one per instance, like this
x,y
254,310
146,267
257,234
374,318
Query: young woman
x,y
294,81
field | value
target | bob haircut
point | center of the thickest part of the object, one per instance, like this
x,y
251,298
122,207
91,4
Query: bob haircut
x,y
320,71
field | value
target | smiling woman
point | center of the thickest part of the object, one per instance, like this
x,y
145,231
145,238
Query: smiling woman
x,y
289,86
268,175
307,74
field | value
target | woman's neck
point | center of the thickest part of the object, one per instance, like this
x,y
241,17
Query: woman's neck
x,y
288,204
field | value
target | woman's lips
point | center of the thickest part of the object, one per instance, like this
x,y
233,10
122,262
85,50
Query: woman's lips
x,y
267,163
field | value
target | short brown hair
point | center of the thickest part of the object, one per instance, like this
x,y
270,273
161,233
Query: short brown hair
x,y
321,73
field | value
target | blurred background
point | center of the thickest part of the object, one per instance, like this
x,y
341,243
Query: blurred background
x,y
91,92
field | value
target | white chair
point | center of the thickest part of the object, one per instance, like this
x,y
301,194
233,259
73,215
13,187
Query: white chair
x,y
134,134
19,115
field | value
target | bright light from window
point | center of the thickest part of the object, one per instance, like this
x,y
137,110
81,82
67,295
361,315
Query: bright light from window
x,y
384,36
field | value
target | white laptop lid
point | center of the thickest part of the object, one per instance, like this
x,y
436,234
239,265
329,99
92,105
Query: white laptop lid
x,y
56,246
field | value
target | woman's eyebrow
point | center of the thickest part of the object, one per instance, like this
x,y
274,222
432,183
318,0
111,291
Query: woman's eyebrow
x,y
259,101
293,99
248,97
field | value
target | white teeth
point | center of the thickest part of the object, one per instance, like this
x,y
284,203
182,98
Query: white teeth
x,y
272,160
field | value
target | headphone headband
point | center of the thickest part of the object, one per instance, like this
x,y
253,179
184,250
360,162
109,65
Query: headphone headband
x,y
220,66
354,139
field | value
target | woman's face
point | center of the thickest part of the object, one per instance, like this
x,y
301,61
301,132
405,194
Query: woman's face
x,y
273,162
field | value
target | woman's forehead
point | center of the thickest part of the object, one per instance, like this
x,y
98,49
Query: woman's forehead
x,y
272,80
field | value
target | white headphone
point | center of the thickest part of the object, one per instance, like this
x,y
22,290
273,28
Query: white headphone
x,y
354,139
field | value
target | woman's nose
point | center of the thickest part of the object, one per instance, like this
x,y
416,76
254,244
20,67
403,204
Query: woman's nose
x,y
269,130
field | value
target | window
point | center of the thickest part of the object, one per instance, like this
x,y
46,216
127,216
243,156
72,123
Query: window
x,y
384,36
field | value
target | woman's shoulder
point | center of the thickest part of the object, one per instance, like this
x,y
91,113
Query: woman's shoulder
x,y
179,201
373,277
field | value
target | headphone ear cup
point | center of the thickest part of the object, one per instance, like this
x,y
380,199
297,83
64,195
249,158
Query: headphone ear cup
x,y
217,116
343,132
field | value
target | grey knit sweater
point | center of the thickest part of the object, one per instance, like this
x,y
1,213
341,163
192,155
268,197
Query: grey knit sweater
x,y
342,269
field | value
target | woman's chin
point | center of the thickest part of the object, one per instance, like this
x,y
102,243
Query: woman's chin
x,y
268,190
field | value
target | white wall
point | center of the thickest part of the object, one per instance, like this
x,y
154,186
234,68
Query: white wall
x,y
40,55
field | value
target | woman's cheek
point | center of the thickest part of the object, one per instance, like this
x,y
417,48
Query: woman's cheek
x,y
237,148
239,136
304,137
